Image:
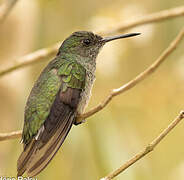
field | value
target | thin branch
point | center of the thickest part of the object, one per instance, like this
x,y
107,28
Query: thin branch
x,y
37,56
137,79
147,19
12,135
30,59
131,83
148,149
5,9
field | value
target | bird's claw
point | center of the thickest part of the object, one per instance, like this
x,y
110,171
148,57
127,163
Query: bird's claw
x,y
79,122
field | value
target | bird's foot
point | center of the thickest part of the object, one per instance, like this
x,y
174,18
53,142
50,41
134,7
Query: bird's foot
x,y
79,121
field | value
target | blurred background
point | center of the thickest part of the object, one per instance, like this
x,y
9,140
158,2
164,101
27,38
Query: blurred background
x,y
131,120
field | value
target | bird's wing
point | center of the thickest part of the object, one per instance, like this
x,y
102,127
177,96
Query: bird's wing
x,y
57,116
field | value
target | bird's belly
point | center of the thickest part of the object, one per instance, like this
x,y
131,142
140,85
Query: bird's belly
x,y
85,95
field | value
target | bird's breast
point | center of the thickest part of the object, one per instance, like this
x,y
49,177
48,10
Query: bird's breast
x,y
86,93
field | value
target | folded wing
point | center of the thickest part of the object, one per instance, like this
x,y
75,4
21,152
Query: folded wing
x,y
42,147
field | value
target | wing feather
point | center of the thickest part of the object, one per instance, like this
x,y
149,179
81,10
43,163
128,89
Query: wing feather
x,y
43,145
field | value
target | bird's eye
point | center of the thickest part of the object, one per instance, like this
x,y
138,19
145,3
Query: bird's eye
x,y
86,42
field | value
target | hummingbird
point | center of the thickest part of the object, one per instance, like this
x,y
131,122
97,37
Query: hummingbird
x,y
58,97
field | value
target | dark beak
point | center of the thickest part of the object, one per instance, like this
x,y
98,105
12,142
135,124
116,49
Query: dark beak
x,y
107,39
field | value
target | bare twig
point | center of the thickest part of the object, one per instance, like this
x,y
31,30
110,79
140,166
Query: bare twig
x,y
154,17
6,8
133,82
148,149
37,56
31,58
12,135
137,79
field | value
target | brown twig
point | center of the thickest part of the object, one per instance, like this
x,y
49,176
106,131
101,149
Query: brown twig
x,y
12,135
31,58
154,17
150,147
137,79
39,55
6,8
133,82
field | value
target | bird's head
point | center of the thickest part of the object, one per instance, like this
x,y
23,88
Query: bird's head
x,y
86,44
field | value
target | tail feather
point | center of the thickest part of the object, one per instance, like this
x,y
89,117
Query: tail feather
x,y
24,158
35,158
49,151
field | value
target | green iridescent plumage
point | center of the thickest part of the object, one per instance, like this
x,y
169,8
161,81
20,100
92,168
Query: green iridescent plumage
x,y
68,74
73,75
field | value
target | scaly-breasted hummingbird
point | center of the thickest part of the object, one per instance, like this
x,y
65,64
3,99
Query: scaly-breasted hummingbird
x,y
60,94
